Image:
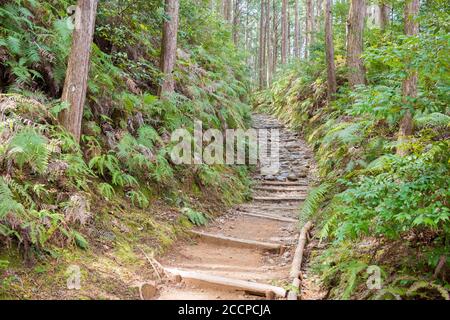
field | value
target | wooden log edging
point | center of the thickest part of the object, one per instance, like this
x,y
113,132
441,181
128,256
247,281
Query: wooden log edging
x,y
297,261
260,289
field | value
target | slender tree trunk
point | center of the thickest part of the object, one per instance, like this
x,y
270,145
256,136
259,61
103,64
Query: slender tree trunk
x,y
309,26
236,21
269,43
319,12
227,10
409,86
296,31
331,68
284,31
384,15
275,37
289,32
262,46
75,84
355,25
169,47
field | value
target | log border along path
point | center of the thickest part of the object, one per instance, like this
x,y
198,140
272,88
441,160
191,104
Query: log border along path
x,y
255,249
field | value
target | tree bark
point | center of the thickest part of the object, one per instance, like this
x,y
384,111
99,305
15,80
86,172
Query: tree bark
x,y
236,21
288,32
329,47
296,31
269,43
262,46
319,12
384,15
75,84
355,26
284,31
227,10
409,86
275,37
169,47
309,26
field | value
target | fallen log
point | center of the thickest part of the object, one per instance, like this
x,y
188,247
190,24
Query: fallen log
x,y
240,243
297,261
260,289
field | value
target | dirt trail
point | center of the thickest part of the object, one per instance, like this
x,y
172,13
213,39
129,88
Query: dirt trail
x,y
250,233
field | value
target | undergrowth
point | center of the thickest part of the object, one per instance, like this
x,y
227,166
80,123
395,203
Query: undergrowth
x,y
51,188
374,207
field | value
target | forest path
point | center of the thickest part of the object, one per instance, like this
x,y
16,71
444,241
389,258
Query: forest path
x,y
253,244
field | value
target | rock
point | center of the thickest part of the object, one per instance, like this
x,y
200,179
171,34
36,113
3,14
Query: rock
x,y
148,291
292,177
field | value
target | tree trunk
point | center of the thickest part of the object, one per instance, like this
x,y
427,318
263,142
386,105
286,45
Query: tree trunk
x,y
169,47
331,68
288,32
262,46
409,86
284,31
275,36
269,43
355,25
236,21
227,10
319,12
309,26
75,84
296,31
384,15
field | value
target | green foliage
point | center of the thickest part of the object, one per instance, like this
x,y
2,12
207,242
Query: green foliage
x,y
313,201
106,190
29,147
138,199
367,190
196,217
124,150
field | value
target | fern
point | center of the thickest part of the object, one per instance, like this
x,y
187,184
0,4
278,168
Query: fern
x,y
8,205
30,147
314,200
138,199
106,190
196,217
415,287
434,119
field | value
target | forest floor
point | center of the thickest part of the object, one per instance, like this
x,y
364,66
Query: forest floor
x,y
235,248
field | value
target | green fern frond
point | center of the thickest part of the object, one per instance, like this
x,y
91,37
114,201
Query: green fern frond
x,y
314,200
435,119
197,218
30,147
8,205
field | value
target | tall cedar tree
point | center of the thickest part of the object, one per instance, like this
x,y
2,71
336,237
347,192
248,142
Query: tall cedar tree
x,y
329,50
284,31
169,47
409,86
355,29
296,31
275,36
384,14
262,46
74,91
309,26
